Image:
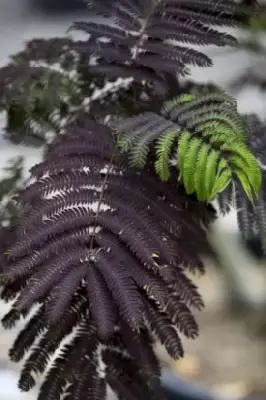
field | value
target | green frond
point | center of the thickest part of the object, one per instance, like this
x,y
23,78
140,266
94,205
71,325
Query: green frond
x,y
209,120
200,168
210,135
216,97
210,172
141,150
171,104
190,158
209,110
164,147
244,160
143,143
199,104
222,165
244,180
137,127
183,144
223,180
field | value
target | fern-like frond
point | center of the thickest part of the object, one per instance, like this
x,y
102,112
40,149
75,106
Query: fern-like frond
x,y
152,36
105,250
141,48
210,139
100,248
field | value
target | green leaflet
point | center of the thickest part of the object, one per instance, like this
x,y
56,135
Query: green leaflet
x,y
137,126
210,172
140,151
217,139
244,180
173,103
239,162
222,166
164,147
190,158
218,97
124,143
216,132
184,98
244,160
234,124
211,151
181,151
199,175
207,113
221,183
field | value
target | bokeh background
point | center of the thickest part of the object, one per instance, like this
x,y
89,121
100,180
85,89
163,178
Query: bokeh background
x,y
229,357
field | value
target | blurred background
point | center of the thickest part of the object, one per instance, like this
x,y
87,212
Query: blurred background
x,y
229,357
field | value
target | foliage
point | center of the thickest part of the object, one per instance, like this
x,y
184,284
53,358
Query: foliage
x,y
122,257
35,94
251,217
208,137
99,247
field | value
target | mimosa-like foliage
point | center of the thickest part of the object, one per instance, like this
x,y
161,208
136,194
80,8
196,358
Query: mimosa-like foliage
x,y
102,239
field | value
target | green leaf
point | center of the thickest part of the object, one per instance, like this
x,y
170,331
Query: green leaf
x,y
164,147
182,148
222,166
244,180
199,175
222,181
189,164
210,172
245,160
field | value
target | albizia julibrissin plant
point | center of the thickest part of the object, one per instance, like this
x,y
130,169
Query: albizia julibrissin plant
x,y
105,249
103,238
